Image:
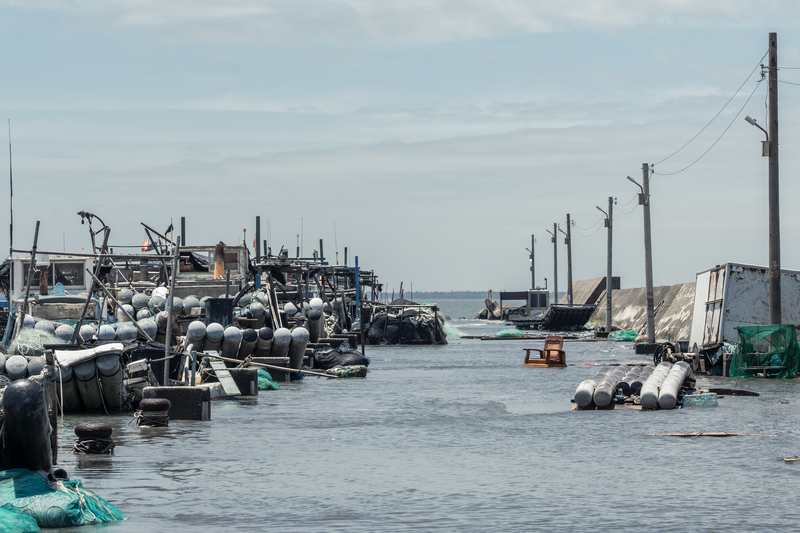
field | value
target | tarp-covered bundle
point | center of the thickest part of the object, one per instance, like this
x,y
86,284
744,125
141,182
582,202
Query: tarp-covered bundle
x,y
58,504
772,346
407,324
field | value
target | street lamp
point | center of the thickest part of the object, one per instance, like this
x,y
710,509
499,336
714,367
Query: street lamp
x,y
609,278
764,144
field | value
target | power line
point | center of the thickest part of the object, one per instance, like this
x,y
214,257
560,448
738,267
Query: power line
x,y
628,212
592,233
718,113
574,225
718,138
635,196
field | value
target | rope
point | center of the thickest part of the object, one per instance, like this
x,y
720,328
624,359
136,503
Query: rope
x,y
159,421
93,445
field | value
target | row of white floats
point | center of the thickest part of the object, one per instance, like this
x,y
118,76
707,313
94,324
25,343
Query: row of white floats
x,y
655,385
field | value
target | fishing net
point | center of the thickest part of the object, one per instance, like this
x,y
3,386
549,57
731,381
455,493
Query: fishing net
x,y
509,333
452,332
30,342
60,504
623,335
13,522
771,350
265,381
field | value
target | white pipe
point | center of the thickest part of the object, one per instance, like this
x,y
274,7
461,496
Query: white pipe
x,y
668,396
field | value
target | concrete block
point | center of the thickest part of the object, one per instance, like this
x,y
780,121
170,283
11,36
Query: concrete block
x,y
188,403
277,375
246,379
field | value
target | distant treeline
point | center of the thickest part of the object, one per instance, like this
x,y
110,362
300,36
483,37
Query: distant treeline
x,y
451,295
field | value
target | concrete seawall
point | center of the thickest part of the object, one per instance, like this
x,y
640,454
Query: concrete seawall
x,y
673,317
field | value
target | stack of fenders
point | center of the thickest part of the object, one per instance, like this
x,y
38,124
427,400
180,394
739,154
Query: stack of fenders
x,y
648,386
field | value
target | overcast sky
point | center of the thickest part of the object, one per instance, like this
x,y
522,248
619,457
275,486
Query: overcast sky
x,y
435,136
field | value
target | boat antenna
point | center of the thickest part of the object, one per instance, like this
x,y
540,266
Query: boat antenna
x,y
11,195
335,242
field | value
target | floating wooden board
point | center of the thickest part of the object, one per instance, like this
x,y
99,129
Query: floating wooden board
x,y
225,379
709,434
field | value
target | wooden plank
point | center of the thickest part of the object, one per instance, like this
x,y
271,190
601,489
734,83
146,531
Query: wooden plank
x,y
224,377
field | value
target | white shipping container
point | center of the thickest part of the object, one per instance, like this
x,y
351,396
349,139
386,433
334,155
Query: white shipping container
x,y
734,294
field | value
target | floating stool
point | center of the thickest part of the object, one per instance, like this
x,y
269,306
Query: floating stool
x,y
153,412
93,438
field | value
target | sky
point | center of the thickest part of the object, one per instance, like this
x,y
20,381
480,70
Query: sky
x,y
432,138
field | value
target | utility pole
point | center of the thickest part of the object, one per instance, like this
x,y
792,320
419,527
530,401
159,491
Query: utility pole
x,y
554,240
648,255
609,277
568,242
774,198
533,271
644,201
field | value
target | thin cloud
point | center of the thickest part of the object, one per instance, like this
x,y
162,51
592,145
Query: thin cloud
x,y
395,22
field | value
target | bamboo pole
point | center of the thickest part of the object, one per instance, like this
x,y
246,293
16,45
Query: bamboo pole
x,y
31,267
170,299
119,306
273,367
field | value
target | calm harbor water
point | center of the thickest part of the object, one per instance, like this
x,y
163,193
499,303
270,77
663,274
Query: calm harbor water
x,y
454,438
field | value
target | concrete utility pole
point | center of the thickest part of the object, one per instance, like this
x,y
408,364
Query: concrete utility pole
x,y
568,242
644,201
609,277
648,256
554,240
533,271
774,198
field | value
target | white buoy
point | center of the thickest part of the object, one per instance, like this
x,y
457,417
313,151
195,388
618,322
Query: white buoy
x,y
124,296
297,349
46,326
214,335
231,341
110,372
149,326
162,292
257,311
36,365
585,390
189,303
86,333
177,305
195,335
157,302
106,333
16,367
668,395
88,387
64,332
649,394
316,303
245,300
143,313
281,342
139,300
127,331
290,308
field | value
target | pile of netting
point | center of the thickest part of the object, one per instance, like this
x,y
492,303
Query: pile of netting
x,y
509,333
773,346
622,335
30,342
28,501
